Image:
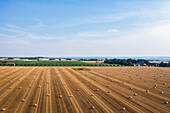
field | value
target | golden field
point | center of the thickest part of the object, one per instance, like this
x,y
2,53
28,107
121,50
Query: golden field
x,y
96,89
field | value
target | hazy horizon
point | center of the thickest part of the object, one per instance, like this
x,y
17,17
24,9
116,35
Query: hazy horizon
x,y
84,56
85,28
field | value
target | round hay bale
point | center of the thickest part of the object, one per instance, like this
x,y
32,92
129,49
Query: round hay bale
x,y
2,109
154,87
166,102
22,100
130,88
77,90
92,107
97,89
109,91
48,95
164,83
135,94
147,91
20,87
60,96
35,105
92,94
123,108
162,92
71,95
130,97
107,85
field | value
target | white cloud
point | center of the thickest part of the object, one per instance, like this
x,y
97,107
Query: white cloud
x,y
20,32
145,13
13,26
112,30
90,34
3,35
97,34
147,41
39,37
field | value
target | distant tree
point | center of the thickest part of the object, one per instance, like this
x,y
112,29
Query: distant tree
x,y
68,58
162,64
106,61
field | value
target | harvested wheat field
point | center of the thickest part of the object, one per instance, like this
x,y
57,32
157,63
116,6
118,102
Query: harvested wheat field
x,y
95,89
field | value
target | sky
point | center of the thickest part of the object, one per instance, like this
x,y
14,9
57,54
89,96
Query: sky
x,y
66,28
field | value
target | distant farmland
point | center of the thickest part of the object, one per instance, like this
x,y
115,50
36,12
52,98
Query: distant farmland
x,y
51,63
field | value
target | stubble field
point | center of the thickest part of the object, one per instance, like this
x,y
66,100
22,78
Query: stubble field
x,y
97,89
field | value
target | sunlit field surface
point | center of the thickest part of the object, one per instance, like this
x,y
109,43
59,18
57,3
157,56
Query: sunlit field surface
x,y
85,89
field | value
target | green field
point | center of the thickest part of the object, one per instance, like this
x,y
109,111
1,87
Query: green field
x,y
51,63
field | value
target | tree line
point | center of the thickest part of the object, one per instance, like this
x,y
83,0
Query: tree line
x,y
164,64
125,62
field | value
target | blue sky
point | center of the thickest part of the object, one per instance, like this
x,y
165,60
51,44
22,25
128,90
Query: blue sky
x,y
84,28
